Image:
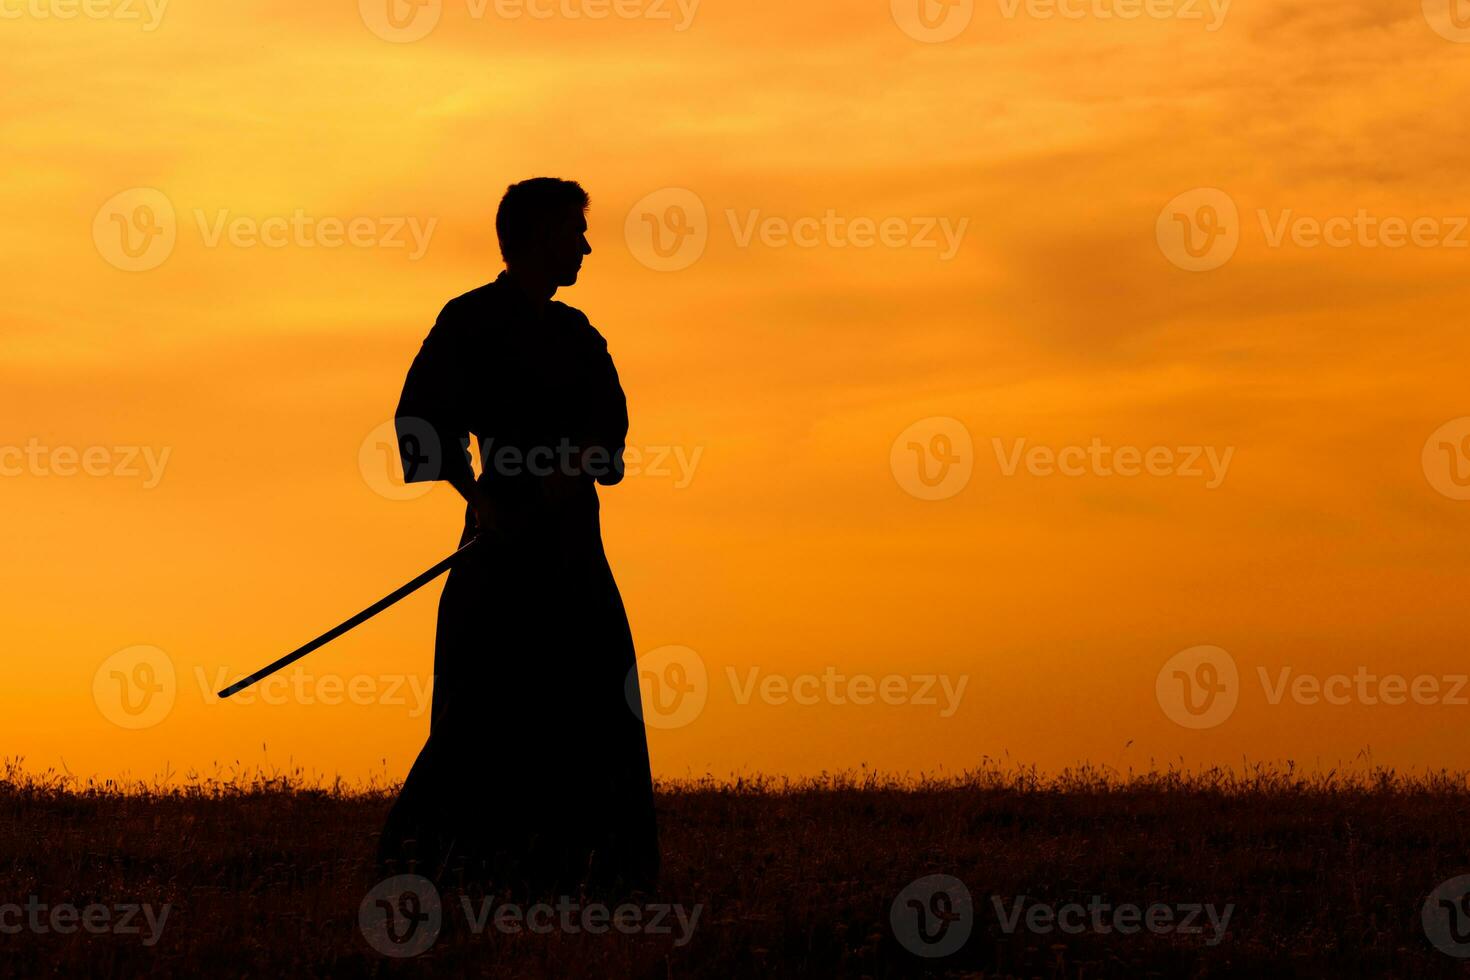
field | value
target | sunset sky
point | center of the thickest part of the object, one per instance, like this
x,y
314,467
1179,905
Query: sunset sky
x,y
992,236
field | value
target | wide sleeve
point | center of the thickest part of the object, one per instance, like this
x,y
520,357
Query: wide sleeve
x,y
610,412
432,421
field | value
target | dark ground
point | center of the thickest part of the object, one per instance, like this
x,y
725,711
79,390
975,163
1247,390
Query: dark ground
x,y
1326,876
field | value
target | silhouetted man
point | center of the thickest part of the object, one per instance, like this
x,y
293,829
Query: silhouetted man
x,y
535,773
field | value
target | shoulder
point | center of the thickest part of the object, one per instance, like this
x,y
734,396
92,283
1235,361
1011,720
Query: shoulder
x,y
577,323
456,320
469,304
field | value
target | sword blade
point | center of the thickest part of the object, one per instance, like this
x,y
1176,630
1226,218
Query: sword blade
x,y
408,588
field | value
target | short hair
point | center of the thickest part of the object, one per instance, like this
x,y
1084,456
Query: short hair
x,y
528,206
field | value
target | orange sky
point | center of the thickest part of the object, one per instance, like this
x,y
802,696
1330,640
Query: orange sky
x,y
789,540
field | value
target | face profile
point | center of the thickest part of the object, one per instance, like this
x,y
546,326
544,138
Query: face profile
x,y
563,248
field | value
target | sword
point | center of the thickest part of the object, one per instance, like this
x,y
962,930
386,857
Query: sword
x,y
408,588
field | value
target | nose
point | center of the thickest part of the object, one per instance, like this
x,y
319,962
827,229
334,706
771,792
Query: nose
x,y
586,247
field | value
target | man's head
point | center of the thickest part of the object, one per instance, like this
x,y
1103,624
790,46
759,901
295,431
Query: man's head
x,y
542,226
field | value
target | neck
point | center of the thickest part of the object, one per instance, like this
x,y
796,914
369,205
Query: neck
x,y
537,289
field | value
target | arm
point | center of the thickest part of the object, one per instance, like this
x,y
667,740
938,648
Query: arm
x,y
431,419
603,445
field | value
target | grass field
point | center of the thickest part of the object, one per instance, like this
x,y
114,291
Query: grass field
x,y
267,875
